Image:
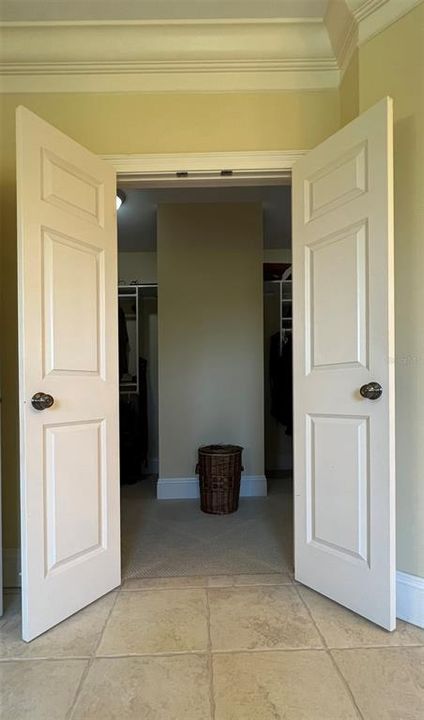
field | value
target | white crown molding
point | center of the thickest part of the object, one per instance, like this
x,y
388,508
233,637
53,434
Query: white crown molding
x,y
161,23
374,16
206,54
350,23
181,57
342,29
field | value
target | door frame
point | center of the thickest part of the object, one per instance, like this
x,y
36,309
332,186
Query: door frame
x,y
185,170
161,169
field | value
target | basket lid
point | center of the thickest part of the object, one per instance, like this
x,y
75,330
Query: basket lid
x,y
220,449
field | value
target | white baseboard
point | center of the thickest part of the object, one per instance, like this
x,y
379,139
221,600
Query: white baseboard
x,y
410,598
253,486
11,567
188,488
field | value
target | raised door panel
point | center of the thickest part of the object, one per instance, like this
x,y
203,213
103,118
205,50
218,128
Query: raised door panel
x,y
338,485
70,189
73,283
336,277
337,183
75,493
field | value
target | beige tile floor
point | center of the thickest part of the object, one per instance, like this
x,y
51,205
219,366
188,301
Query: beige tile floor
x,y
250,644
242,647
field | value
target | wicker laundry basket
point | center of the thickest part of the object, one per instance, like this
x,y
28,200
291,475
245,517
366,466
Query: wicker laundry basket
x,y
219,471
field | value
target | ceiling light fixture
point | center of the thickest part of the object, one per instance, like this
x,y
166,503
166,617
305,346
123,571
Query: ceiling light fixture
x,y
120,198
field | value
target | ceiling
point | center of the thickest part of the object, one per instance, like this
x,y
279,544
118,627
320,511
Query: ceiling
x,y
137,215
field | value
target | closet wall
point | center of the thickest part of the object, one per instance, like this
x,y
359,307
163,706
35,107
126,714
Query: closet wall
x,y
210,333
140,266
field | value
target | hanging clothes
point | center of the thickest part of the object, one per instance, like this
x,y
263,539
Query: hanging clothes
x,y
281,381
123,343
143,415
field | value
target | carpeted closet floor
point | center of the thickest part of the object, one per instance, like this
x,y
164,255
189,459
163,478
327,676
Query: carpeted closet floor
x,y
171,538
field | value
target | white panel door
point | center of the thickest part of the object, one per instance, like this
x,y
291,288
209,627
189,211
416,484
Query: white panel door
x,y
343,319
68,350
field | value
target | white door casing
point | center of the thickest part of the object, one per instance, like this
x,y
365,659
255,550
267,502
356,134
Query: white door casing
x,y
67,268
344,325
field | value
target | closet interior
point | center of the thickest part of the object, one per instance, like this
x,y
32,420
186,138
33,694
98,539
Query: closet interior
x,y
219,258
138,320
138,387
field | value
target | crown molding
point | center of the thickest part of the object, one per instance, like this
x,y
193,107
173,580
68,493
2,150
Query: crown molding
x,y
342,29
164,78
374,16
157,22
252,54
181,57
350,23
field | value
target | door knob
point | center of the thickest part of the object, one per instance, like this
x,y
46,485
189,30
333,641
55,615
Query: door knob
x,y
371,391
42,401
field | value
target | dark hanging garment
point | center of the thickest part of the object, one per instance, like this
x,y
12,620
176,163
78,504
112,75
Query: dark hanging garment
x,y
123,344
281,380
129,428
134,431
143,425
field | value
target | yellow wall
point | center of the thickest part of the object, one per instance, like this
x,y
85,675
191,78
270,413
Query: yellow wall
x,y
393,64
210,333
138,123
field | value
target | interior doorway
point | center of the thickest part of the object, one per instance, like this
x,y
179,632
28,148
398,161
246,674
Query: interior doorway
x,y
172,537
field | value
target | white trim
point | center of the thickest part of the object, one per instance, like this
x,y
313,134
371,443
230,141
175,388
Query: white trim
x,y
188,488
206,167
410,598
374,16
189,55
219,55
343,32
11,567
136,67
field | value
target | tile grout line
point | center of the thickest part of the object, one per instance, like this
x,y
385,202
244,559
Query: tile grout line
x,y
210,658
75,658
328,652
90,662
